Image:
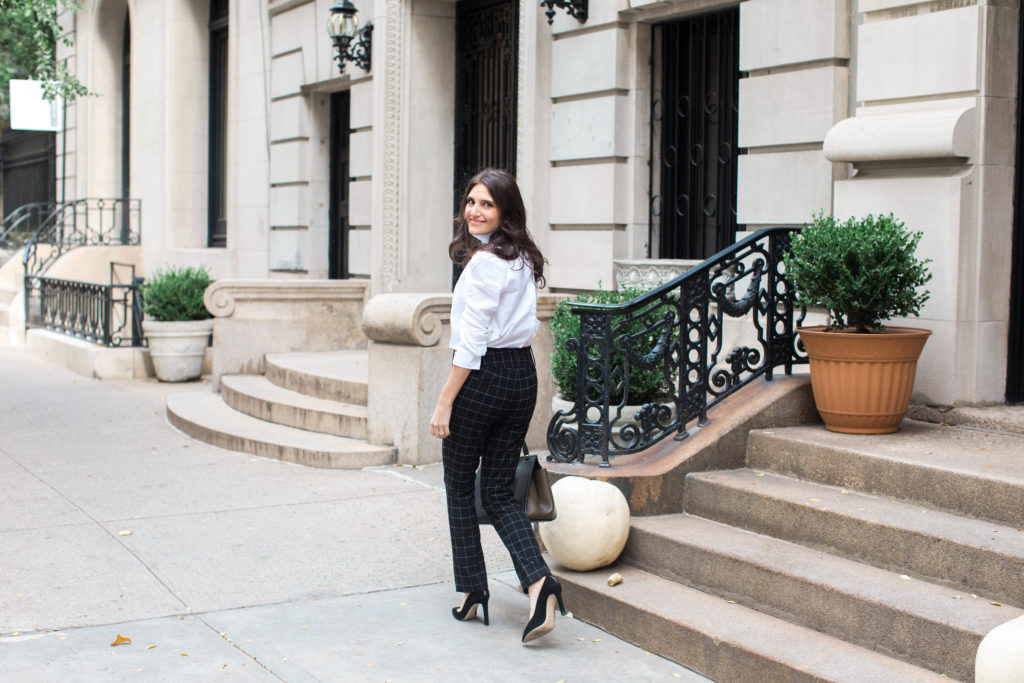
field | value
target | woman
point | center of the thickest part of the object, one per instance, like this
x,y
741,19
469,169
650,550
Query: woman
x,y
488,400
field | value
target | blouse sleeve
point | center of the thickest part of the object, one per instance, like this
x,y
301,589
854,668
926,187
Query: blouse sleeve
x,y
484,280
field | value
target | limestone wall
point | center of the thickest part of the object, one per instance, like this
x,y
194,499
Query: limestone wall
x,y
932,141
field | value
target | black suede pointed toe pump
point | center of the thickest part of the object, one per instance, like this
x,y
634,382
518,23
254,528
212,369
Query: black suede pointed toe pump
x,y
469,605
543,618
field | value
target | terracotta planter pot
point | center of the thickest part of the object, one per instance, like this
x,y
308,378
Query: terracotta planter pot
x,y
862,382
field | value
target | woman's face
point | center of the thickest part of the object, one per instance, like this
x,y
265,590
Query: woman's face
x,y
482,215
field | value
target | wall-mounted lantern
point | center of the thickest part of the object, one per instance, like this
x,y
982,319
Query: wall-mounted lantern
x,y
343,27
575,8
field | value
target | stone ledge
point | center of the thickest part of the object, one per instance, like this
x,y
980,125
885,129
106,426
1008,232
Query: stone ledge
x,y
940,134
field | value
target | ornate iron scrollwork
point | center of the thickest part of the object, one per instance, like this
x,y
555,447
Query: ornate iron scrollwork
x,y
678,331
574,8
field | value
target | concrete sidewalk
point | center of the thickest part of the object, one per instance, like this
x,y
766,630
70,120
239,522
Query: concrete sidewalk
x,y
220,566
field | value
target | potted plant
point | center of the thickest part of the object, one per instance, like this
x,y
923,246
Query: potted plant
x,y
645,385
862,271
176,324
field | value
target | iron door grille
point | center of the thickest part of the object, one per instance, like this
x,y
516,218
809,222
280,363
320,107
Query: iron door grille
x,y
694,130
486,49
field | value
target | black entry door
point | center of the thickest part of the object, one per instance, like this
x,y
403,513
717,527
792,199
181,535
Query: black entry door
x,y
338,212
485,87
694,134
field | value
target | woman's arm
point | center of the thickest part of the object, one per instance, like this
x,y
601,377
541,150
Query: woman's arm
x,y
443,411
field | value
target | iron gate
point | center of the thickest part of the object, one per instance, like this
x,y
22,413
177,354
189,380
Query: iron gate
x,y
486,58
694,135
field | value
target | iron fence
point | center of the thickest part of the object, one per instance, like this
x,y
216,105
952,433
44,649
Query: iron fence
x,y
106,314
679,330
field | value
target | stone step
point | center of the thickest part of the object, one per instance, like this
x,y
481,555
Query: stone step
x,y
207,417
970,555
971,472
332,375
911,619
719,639
255,395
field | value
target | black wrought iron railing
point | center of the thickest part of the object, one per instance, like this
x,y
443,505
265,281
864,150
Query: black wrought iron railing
x,y
107,314
679,330
19,225
80,223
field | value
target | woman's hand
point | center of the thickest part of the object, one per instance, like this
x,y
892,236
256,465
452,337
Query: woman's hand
x,y
443,412
439,420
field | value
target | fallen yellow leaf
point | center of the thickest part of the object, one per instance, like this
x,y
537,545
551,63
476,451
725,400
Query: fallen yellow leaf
x,y
121,640
815,500
998,604
124,532
184,654
150,647
596,640
16,633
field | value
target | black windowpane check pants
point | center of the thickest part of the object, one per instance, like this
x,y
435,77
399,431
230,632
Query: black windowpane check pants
x,y
489,420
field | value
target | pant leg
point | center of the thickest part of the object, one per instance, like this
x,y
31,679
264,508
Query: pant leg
x,y
518,386
473,412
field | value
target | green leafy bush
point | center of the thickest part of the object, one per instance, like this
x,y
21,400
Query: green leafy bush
x,y
176,294
863,270
644,385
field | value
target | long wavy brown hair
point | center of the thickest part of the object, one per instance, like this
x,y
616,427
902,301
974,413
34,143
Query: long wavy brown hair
x,y
512,239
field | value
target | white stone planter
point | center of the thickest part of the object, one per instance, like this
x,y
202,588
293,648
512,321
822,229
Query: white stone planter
x,y
177,347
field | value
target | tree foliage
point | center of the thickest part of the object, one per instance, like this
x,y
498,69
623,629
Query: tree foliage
x,y
29,32
862,270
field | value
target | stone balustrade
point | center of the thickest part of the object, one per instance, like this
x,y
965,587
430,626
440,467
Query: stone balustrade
x,y
257,317
409,363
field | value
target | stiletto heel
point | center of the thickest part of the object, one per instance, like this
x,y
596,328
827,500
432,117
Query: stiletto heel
x,y
469,605
543,618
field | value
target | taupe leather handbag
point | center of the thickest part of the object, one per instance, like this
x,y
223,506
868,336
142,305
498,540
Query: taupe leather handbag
x,y
532,491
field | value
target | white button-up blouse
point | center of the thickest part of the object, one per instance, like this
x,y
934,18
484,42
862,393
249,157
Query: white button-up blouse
x,y
494,305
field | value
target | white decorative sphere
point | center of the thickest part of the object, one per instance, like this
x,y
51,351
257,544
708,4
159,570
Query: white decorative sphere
x,y
1001,654
592,525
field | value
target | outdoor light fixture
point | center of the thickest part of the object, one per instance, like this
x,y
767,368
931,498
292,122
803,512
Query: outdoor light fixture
x,y
575,8
343,27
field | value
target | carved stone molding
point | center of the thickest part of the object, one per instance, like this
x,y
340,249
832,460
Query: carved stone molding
x,y
391,179
410,319
223,296
646,274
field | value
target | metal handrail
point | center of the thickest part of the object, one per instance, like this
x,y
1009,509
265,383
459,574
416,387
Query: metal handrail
x,y
678,330
20,221
82,222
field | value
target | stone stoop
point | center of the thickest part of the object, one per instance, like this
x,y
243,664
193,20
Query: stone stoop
x,y
292,413
828,557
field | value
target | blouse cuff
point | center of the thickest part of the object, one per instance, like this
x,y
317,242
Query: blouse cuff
x,y
464,358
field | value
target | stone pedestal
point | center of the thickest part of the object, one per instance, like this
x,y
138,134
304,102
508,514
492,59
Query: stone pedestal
x,y
646,274
409,364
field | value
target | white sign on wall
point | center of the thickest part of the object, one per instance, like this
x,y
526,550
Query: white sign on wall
x,y
30,110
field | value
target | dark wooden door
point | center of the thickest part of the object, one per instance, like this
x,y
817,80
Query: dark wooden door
x,y
338,212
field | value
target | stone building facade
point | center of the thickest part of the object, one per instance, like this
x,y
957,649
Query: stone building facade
x,y
253,155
